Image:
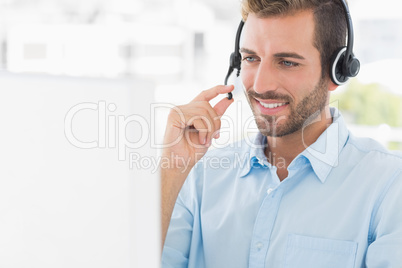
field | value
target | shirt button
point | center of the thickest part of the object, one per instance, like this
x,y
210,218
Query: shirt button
x,y
269,190
259,245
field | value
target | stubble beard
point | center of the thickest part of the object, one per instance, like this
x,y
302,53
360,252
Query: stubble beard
x,y
306,110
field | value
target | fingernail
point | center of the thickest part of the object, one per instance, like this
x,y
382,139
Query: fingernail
x,y
217,135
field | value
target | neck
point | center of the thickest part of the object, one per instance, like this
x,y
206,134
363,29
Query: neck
x,y
281,151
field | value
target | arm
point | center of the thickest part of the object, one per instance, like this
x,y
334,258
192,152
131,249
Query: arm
x,y
189,133
385,250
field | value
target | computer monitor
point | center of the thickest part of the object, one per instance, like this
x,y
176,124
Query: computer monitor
x,y
76,185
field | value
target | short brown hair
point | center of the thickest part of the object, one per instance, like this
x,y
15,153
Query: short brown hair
x,y
329,18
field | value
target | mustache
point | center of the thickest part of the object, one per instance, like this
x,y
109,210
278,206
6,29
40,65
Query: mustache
x,y
271,95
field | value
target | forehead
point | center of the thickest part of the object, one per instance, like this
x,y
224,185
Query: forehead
x,y
289,32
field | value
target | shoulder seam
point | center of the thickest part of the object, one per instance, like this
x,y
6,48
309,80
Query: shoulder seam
x,y
381,149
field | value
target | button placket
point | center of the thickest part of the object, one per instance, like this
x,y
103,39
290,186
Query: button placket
x,y
259,245
262,229
270,190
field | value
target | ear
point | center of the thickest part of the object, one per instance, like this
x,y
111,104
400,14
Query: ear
x,y
332,86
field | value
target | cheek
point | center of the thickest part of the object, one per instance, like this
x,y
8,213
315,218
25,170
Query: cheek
x,y
247,78
247,81
300,84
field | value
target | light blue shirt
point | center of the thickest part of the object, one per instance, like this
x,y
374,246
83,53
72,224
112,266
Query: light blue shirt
x,y
340,206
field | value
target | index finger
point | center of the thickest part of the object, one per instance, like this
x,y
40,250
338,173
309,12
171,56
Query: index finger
x,y
211,93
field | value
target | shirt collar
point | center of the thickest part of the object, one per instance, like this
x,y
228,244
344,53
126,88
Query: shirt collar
x,y
323,154
256,155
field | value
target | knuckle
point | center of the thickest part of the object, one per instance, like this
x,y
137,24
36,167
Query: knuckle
x,y
205,91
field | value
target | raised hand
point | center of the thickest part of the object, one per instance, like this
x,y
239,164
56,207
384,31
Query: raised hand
x,y
189,133
191,127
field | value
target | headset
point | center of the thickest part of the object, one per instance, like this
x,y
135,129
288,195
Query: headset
x,y
343,64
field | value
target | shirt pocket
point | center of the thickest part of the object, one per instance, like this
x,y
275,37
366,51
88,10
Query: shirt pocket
x,y
311,252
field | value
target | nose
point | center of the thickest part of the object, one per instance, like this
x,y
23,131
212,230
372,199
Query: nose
x,y
265,78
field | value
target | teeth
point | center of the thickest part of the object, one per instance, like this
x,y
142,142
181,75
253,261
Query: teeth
x,y
272,105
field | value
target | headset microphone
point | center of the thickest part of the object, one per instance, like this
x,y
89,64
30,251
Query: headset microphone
x,y
235,58
343,63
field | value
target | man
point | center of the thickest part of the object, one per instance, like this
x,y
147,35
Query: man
x,y
305,193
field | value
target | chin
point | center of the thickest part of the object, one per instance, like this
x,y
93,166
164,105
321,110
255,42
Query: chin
x,y
278,130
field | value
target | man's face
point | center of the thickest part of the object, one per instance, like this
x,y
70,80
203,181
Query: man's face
x,y
281,72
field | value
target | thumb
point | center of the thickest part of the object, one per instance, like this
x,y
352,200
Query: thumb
x,y
222,105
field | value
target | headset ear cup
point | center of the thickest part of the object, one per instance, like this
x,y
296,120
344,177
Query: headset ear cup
x,y
353,66
336,72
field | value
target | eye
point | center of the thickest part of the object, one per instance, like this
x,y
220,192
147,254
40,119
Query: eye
x,y
249,59
290,63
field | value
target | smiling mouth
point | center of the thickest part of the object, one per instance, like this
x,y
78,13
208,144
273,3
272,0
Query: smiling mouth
x,y
273,104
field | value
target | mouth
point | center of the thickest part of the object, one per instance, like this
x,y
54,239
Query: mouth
x,y
271,107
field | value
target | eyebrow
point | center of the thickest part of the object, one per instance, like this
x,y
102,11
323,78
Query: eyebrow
x,y
248,51
289,55
276,55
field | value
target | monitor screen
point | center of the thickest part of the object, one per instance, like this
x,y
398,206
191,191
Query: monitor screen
x,y
76,186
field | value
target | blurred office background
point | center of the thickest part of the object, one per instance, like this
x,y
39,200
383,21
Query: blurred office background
x,y
183,46
149,51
